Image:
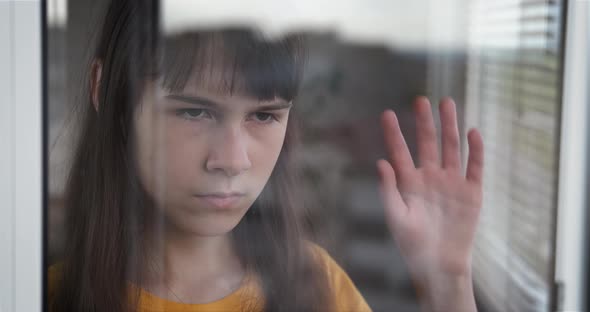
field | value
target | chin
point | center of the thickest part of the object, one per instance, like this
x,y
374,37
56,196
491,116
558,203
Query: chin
x,y
214,225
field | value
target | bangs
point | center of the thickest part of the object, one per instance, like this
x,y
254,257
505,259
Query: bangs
x,y
233,62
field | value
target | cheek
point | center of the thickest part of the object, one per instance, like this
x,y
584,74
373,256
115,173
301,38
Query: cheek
x,y
149,164
168,156
143,148
264,151
184,153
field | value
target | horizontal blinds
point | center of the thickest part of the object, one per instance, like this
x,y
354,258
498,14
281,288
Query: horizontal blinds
x,y
513,86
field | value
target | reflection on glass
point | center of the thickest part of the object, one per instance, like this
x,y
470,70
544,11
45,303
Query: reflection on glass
x,y
197,151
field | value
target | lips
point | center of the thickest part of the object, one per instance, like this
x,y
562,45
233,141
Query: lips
x,y
221,200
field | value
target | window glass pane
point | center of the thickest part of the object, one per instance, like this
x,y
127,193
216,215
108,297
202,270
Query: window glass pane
x,y
202,154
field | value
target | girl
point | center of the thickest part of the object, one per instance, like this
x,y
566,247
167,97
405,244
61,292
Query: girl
x,y
182,194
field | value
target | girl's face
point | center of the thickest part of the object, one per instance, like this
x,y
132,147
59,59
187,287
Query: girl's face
x,y
204,157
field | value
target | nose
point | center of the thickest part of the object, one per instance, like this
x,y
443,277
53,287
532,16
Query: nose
x,y
229,153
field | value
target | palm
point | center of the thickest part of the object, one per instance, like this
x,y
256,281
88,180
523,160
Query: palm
x,y
432,210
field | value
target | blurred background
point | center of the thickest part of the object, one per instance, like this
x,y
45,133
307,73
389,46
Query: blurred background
x,y
500,60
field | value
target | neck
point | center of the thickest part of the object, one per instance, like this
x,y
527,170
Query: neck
x,y
184,258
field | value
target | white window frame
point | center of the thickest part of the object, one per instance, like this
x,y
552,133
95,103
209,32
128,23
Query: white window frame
x,y
573,180
20,156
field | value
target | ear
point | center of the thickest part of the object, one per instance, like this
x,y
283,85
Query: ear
x,y
95,76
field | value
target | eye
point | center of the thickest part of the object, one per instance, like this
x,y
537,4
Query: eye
x,y
193,113
265,117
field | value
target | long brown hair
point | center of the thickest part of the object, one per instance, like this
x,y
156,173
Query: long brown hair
x,y
107,211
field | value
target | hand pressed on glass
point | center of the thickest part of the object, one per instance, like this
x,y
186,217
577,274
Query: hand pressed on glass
x,y
432,210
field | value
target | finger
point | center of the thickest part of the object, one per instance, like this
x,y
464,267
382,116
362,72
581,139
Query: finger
x,y
451,155
395,208
395,144
425,132
475,160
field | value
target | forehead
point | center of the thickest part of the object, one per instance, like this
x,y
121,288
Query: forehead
x,y
226,102
215,85
221,89
215,79
231,64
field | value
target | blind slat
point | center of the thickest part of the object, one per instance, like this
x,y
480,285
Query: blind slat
x,y
513,80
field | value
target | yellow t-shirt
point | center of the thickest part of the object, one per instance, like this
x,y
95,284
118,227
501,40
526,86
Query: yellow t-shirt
x,y
346,295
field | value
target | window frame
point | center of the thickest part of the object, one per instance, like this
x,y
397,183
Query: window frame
x,y
21,155
571,265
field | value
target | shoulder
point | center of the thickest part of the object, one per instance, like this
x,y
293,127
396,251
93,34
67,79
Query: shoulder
x,y
54,274
332,268
335,272
346,295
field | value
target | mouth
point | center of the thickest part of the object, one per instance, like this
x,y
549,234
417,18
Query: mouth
x,y
221,200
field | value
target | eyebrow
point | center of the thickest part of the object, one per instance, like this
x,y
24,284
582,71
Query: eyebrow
x,y
197,100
